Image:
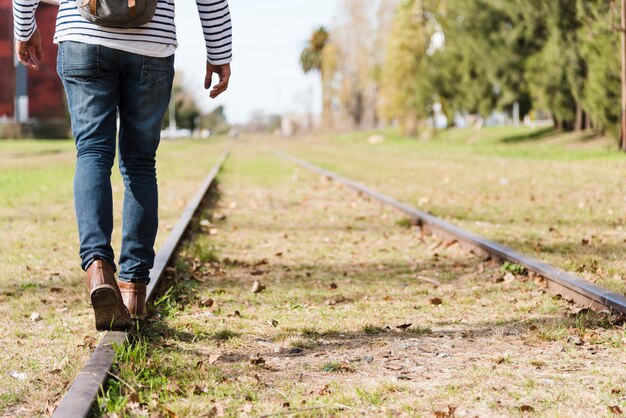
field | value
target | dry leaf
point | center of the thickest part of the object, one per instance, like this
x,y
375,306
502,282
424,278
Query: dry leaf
x,y
214,357
403,326
274,323
257,360
134,397
435,301
50,407
61,366
449,412
499,359
174,388
170,413
18,375
35,317
257,287
526,408
616,409
219,216
333,286
207,302
200,389
323,391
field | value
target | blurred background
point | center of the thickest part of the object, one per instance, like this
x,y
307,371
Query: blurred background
x,y
343,65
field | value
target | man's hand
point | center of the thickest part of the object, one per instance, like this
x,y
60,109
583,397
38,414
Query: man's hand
x,y
30,53
223,72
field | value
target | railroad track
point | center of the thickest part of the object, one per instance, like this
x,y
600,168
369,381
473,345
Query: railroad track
x,y
91,378
569,286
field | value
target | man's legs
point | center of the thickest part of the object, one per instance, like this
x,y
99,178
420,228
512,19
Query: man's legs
x,y
90,77
145,89
91,85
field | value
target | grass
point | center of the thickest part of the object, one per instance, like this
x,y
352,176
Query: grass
x,y
40,267
323,338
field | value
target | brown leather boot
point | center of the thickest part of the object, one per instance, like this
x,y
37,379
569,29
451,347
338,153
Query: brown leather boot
x,y
134,296
108,306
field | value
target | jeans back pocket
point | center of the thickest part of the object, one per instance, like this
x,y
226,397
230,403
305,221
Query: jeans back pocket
x,y
157,70
79,60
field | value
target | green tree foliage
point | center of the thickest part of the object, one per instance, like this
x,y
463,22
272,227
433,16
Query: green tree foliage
x,y
556,56
215,121
312,59
600,50
405,86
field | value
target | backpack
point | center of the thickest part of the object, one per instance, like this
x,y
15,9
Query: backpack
x,y
117,13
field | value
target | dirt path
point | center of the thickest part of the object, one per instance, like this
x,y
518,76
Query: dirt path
x,y
359,315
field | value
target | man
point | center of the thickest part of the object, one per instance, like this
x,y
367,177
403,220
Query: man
x,y
110,71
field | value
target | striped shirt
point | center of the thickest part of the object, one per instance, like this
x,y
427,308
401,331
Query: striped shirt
x,y
156,38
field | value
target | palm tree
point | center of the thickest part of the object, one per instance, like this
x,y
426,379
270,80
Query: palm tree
x,y
311,59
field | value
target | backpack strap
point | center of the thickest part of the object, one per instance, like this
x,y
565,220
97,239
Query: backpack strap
x,y
131,7
92,6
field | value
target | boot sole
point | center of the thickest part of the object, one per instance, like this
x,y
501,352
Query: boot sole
x,y
106,309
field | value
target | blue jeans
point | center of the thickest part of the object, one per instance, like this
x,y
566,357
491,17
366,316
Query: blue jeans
x,y
100,82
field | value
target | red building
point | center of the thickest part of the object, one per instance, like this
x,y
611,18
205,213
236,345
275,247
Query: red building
x,y
45,92
7,68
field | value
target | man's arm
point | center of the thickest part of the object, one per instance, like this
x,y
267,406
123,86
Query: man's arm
x,y
217,28
27,37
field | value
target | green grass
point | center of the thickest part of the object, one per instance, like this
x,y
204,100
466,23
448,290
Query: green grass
x,y
40,267
559,198
519,143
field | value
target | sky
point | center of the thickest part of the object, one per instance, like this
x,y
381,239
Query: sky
x,y
268,38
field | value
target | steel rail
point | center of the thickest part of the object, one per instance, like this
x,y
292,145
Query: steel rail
x,y
90,379
570,286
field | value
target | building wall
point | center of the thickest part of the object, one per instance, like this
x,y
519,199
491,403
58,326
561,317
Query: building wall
x,y
7,70
45,91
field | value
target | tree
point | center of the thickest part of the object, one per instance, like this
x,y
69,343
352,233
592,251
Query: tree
x,y
405,94
215,121
311,59
185,109
599,49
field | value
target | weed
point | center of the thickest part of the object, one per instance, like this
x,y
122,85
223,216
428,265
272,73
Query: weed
x,y
203,252
301,343
310,332
552,332
417,330
374,398
405,223
373,329
514,268
334,367
167,305
225,334
29,285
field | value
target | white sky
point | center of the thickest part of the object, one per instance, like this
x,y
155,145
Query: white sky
x,y
268,38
